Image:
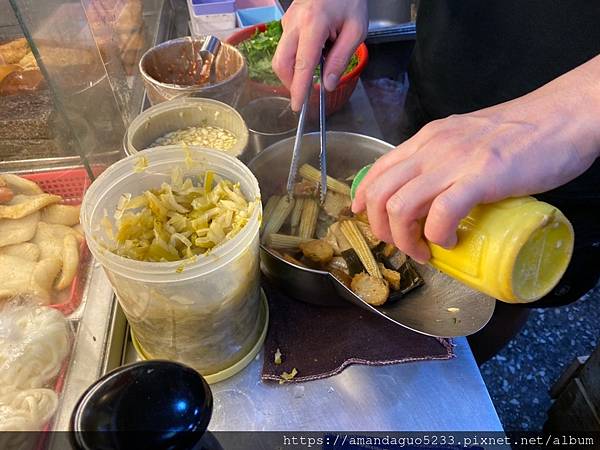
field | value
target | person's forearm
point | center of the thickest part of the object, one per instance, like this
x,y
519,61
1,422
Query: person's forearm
x,y
577,93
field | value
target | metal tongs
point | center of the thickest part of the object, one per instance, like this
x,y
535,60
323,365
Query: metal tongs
x,y
323,141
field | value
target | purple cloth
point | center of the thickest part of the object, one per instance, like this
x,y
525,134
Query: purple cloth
x,y
321,341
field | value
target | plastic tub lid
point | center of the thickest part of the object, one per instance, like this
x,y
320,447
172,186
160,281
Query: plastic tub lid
x,y
202,7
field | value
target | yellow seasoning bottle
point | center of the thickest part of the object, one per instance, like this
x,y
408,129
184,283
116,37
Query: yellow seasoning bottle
x,y
515,250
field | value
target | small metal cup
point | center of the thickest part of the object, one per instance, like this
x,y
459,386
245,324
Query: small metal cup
x,y
269,120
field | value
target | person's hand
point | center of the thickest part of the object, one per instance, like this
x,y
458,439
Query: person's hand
x,y
424,187
307,25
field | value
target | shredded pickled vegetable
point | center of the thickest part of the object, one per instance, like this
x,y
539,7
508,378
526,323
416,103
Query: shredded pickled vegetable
x,y
180,220
288,376
141,164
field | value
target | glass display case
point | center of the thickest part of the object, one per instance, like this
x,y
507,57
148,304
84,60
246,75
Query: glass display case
x,y
69,86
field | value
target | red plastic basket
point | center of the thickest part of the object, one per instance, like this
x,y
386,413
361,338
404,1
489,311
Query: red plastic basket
x,y
70,184
334,101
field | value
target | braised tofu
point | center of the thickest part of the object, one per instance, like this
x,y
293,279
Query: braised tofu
x,y
396,260
318,251
289,258
342,276
374,291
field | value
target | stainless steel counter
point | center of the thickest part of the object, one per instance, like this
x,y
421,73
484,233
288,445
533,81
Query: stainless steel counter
x,y
421,396
436,395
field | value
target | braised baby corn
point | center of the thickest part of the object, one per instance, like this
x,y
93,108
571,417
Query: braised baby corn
x,y
308,220
282,210
360,246
268,211
308,172
285,241
296,215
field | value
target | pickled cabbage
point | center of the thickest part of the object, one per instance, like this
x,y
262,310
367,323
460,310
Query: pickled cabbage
x,y
180,220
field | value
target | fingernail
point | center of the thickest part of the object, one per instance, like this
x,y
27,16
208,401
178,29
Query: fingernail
x,y
450,243
331,81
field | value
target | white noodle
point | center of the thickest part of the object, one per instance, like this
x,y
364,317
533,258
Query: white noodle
x,y
27,410
34,341
33,344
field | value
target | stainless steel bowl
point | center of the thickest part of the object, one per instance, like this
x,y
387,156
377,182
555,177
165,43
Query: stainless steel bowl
x,y
163,118
269,120
442,307
168,72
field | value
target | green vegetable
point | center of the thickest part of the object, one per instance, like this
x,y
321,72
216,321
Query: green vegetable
x,y
260,49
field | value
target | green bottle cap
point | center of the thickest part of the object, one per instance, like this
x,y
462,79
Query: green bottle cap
x,y
357,179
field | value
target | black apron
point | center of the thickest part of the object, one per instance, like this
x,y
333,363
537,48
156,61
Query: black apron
x,y
471,54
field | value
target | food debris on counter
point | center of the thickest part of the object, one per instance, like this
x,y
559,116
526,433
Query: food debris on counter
x,y
278,357
285,377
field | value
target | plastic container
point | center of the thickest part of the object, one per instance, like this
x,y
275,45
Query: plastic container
x,y
253,16
166,70
515,250
209,16
243,4
238,366
207,315
213,23
206,7
163,118
198,32
334,101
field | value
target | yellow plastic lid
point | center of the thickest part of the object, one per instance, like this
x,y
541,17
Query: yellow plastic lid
x,y
543,259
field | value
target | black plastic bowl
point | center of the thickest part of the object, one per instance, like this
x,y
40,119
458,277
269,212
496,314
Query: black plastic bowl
x,y
148,405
